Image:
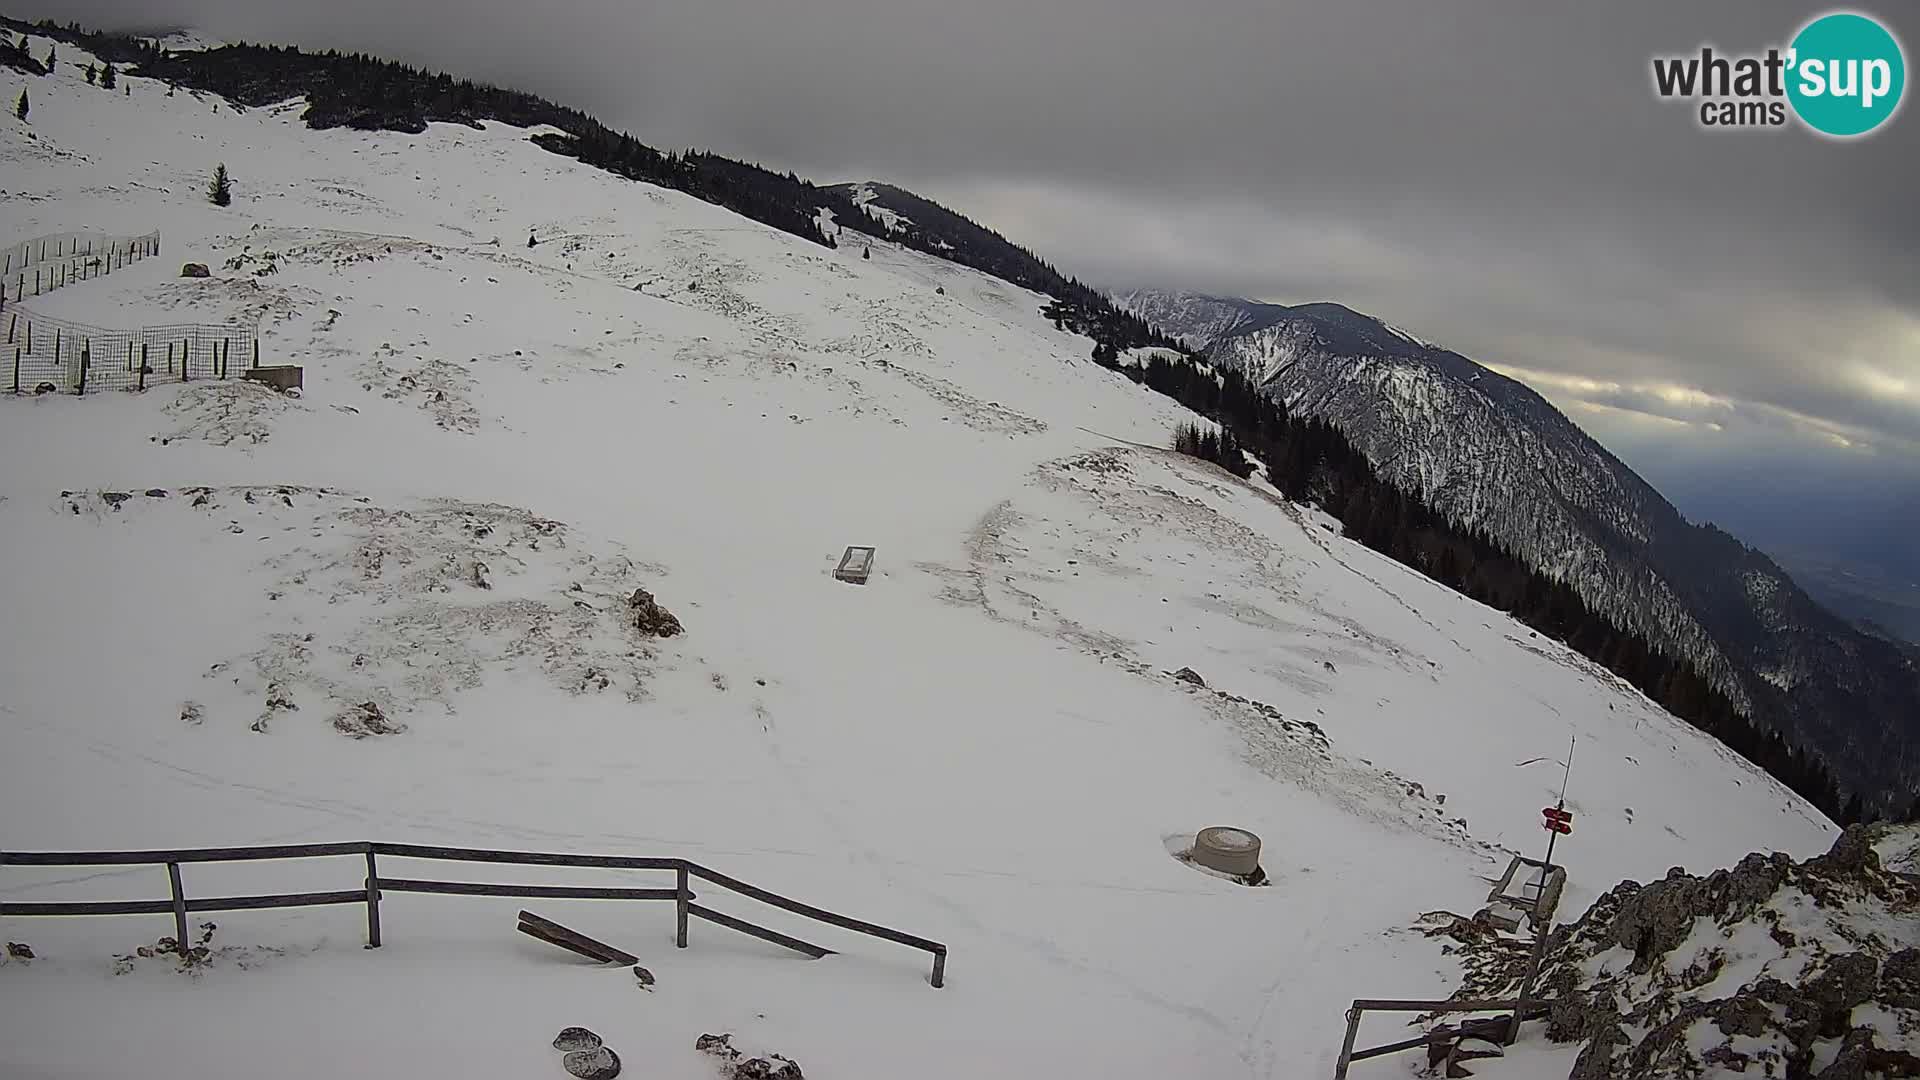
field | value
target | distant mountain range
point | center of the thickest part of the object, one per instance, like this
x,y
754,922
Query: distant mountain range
x,y
1490,453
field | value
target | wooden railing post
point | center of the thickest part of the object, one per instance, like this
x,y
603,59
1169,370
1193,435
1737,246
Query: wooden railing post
x,y
179,907
682,894
1346,1048
940,969
373,901
143,365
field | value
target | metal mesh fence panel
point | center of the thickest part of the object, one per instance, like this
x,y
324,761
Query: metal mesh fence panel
x,y
43,354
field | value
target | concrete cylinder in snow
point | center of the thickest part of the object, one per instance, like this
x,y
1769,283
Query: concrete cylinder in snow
x,y
1228,850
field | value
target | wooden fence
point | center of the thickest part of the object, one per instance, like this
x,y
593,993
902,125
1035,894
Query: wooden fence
x,y
74,358
371,888
39,266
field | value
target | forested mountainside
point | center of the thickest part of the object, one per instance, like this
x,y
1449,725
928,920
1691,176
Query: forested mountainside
x,y
1490,454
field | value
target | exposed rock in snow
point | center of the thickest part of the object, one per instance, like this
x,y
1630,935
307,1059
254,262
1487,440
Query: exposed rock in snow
x,y
649,617
574,1039
365,719
736,1065
1789,969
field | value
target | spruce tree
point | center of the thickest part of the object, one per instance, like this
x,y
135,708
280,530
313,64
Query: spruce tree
x,y
52,54
220,192
108,79
93,75
20,107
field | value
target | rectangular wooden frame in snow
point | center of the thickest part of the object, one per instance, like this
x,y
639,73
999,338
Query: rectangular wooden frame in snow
x,y
855,566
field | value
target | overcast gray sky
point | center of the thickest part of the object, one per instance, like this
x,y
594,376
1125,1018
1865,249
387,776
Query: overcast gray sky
x,y
1496,176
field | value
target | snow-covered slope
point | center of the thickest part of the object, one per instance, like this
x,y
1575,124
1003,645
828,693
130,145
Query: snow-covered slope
x,y
497,445
1491,453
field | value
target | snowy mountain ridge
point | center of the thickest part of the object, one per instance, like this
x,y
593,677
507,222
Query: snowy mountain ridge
x,y
498,445
1492,454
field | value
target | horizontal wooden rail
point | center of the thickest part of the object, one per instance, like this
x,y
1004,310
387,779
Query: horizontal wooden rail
x,y
811,912
374,884
1462,1005
214,903
91,907
760,932
557,892
526,858
135,858
1390,1048
257,903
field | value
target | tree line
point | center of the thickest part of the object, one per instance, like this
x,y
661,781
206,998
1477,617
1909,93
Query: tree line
x,y
363,92
1080,308
1310,461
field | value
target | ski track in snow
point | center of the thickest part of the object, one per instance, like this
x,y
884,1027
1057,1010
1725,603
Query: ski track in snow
x,y
983,745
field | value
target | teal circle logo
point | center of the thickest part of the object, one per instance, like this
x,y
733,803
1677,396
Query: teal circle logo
x,y
1846,74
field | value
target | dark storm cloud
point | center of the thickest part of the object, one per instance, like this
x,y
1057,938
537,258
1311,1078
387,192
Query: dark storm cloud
x,y
1497,176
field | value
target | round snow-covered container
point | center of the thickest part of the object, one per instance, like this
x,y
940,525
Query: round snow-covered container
x,y
1228,850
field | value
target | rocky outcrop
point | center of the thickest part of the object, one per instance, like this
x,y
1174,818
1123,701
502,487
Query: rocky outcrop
x,y
738,1066
365,720
650,618
1807,971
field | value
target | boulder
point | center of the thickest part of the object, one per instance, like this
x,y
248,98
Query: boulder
x,y
650,618
1847,980
1188,675
573,1039
600,1063
1900,979
196,270
366,719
